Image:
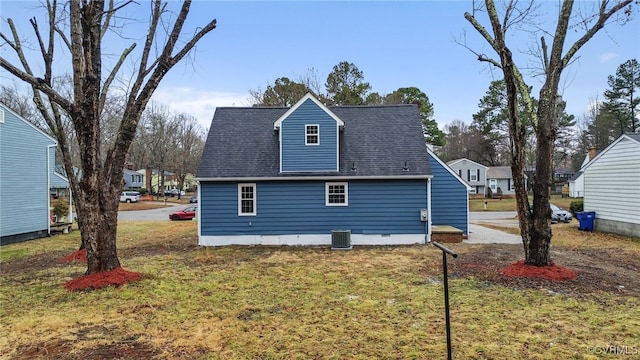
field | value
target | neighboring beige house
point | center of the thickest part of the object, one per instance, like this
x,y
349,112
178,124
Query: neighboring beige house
x,y
612,187
153,181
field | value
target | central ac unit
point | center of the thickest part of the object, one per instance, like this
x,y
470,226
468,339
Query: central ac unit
x,y
340,239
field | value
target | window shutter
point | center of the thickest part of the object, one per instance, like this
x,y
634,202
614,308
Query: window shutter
x,y
509,184
468,174
478,174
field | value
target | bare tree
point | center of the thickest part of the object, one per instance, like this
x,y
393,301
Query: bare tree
x,y
159,130
189,144
535,227
22,104
80,27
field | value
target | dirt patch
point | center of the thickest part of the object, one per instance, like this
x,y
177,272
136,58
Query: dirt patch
x,y
63,350
34,263
598,270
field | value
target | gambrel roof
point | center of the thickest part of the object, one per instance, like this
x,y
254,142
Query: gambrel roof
x,y
375,142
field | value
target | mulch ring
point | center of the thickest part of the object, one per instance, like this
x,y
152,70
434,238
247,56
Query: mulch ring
x,y
115,277
79,256
550,272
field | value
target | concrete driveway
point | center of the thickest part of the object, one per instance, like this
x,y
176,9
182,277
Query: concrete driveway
x,y
479,234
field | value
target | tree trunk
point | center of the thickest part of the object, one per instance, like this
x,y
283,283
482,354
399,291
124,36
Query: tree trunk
x,y
100,180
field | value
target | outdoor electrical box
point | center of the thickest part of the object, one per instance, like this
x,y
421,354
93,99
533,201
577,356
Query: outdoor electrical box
x,y
424,215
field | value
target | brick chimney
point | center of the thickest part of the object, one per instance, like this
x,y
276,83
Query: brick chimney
x,y
592,153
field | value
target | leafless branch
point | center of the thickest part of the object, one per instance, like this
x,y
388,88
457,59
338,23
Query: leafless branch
x,y
603,17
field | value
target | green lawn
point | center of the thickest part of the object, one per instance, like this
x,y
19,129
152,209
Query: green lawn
x,y
293,303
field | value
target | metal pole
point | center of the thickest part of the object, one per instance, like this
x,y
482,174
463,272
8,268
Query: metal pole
x,y
446,251
446,303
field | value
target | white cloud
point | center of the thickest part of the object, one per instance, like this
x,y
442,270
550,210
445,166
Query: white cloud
x,y
198,103
606,57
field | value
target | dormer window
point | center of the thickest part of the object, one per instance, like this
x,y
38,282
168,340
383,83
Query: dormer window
x,y
312,134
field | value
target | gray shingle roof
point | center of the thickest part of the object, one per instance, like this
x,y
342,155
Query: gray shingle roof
x,y
376,140
499,172
634,136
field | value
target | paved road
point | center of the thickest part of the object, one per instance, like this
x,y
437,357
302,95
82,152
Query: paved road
x,y
491,215
148,215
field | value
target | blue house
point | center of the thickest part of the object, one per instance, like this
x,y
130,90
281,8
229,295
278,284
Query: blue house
x,y
133,180
313,175
25,200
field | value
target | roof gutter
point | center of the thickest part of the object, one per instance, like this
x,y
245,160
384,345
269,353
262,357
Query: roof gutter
x,y
314,177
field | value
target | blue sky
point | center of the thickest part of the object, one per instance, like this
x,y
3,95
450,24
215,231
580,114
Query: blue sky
x,y
395,44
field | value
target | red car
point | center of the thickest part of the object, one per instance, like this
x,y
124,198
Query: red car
x,y
184,214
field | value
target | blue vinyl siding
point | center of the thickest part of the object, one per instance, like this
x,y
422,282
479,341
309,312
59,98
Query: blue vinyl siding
x,y
448,198
290,207
56,180
296,156
23,177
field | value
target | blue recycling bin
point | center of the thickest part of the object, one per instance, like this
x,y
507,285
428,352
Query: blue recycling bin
x,y
586,220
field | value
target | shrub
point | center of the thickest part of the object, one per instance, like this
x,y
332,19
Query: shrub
x,y
60,208
576,205
143,191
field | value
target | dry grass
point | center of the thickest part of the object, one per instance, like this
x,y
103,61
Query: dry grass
x,y
293,303
145,205
509,204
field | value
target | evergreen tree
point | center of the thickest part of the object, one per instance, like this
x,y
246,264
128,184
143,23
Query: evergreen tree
x,y
623,97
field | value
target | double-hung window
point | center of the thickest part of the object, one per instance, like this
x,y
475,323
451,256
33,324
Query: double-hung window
x,y
246,199
337,194
312,134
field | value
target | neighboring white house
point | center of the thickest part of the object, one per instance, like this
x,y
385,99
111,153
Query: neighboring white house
x,y
612,187
473,173
576,183
499,180
480,178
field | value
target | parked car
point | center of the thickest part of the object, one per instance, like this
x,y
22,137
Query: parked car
x,y
193,199
129,196
184,214
174,192
559,215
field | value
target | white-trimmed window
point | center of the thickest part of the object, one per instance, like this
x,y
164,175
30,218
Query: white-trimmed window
x,y
493,184
312,134
336,194
246,199
1,115
474,175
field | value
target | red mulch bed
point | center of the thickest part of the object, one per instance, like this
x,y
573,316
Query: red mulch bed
x,y
115,277
550,272
80,255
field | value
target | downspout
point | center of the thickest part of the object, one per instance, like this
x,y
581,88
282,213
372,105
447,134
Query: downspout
x,y
428,222
49,188
70,204
199,211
